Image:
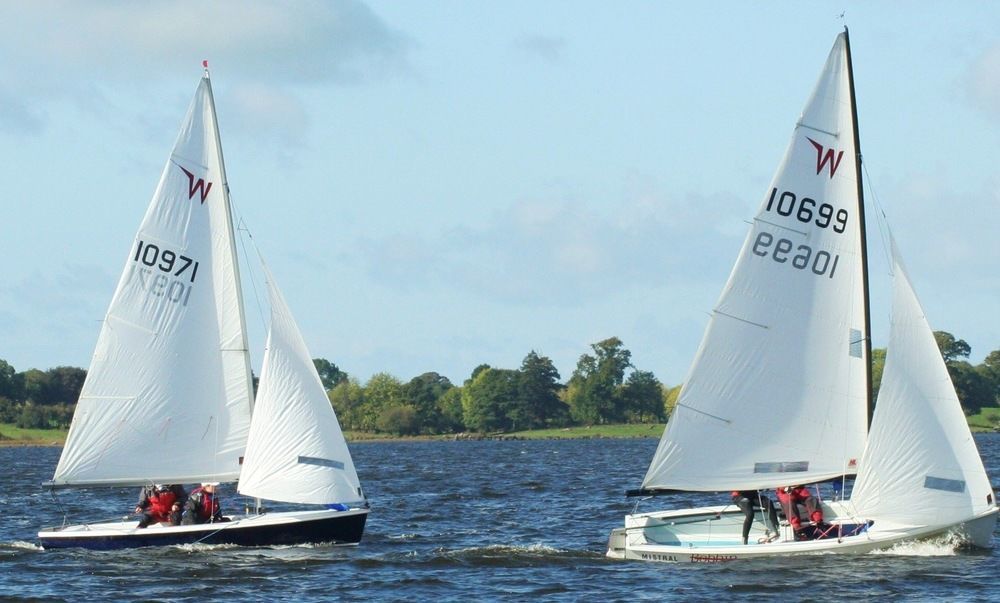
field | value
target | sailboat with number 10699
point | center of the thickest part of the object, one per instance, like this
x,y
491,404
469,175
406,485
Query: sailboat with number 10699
x,y
169,395
779,391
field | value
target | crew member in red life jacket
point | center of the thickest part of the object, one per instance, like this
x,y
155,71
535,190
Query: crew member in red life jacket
x,y
202,506
791,497
160,503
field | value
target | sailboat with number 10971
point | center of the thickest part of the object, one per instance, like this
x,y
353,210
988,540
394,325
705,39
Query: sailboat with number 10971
x,y
169,395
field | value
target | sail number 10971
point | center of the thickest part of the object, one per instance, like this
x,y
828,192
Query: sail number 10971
x,y
165,273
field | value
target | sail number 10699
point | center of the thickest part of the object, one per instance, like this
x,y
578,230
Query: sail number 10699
x,y
821,263
807,210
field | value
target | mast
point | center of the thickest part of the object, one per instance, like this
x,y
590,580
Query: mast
x,y
864,239
244,345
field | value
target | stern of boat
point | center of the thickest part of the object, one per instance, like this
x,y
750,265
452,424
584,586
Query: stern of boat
x,y
616,544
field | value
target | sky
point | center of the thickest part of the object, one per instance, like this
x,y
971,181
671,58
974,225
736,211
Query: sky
x,y
437,185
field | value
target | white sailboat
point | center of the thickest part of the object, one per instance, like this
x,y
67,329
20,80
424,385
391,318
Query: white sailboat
x,y
778,393
168,397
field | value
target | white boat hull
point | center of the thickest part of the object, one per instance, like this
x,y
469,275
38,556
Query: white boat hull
x,y
713,535
285,528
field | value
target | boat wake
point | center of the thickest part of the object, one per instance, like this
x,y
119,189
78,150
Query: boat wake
x,y
17,546
511,555
947,545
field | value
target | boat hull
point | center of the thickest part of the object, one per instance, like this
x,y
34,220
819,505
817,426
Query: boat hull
x,y
712,535
286,528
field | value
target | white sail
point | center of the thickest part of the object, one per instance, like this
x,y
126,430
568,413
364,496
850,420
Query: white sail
x,y
296,451
777,393
160,402
921,466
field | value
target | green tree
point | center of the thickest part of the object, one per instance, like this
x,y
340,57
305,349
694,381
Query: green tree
x,y
348,399
399,420
422,393
990,370
642,394
538,394
382,391
594,392
487,398
974,391
9,410
951,349
450,410
32,416
64,385
36,386
11,383
329,374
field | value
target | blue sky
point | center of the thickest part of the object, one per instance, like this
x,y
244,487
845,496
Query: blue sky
x,y
437,185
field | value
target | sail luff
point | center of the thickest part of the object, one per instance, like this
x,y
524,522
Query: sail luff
x,y
863,225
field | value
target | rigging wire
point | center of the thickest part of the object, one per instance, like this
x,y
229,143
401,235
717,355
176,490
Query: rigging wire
x,y
881,220
244,230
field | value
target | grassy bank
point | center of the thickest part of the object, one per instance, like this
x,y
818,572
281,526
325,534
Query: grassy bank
x,y
11,435
15,436
593,431
987,420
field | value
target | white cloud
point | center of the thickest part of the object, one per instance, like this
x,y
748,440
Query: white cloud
x,y
301,42
983,82
556,252
549,48
64,51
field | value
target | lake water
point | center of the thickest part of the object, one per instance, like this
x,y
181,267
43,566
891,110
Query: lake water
x,y
519,520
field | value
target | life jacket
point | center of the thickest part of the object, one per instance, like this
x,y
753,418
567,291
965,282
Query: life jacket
x,y
790,501
206,504
160,503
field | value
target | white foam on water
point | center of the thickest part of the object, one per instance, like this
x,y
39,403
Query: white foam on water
x,y
942,546
23,545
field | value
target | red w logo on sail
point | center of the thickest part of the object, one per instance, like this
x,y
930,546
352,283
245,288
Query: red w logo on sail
x,y
824,158
197,186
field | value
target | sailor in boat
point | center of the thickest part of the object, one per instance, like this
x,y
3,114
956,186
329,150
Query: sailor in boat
x,y
796,499
159,503
203,506
749,501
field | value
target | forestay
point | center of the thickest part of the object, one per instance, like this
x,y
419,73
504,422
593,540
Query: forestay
x,y
296,451
921,466
777,393
160,403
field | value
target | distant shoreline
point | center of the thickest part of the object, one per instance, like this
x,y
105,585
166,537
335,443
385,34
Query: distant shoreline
x,y
57,438
11,436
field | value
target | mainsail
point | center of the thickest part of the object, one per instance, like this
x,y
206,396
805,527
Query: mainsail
x,y
921,466
777,393
296,451
168,394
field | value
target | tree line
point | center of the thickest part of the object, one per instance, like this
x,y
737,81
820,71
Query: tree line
x,y
605,387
